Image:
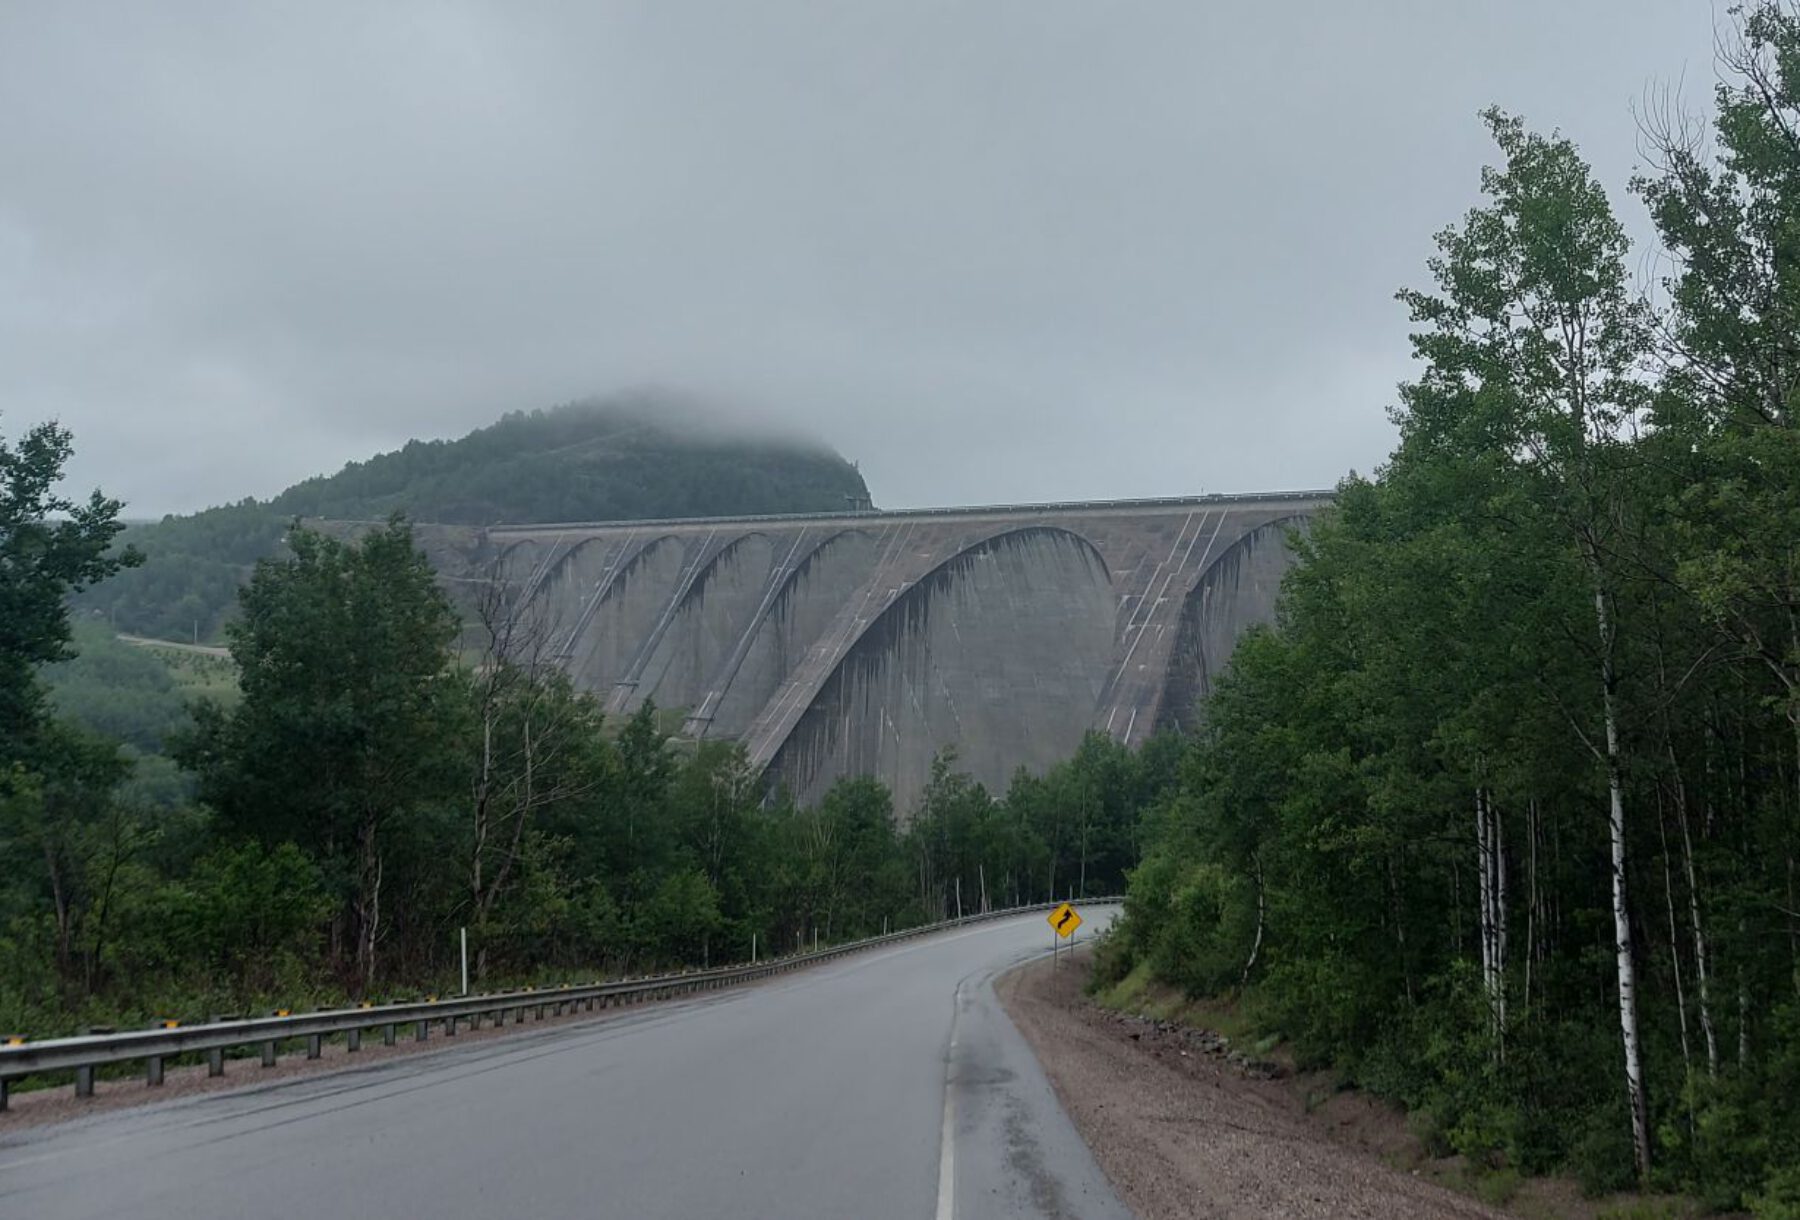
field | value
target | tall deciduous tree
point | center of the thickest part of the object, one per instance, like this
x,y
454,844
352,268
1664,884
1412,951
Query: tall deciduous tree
x,y
1732,344
535,744
1533,350
50,546
344,654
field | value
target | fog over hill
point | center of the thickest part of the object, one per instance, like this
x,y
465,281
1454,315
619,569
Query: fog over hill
x,y
628,458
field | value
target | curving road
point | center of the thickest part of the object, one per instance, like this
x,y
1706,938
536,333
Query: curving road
x,y
885,1085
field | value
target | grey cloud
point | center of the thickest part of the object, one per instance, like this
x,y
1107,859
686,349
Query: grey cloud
x,y
995,251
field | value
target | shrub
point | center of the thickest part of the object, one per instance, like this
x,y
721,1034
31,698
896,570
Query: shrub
x,y
1600,1155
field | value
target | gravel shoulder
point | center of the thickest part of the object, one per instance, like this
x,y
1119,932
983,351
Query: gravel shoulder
x,y
1182,1132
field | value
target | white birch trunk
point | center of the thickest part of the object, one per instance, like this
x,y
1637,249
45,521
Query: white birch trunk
x,y
1674,943
1498,854
1627,969
1702,971
1531,898
1484,899
1261,908
1491,862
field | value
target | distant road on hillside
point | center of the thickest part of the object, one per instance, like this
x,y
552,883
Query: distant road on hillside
x,y
205,650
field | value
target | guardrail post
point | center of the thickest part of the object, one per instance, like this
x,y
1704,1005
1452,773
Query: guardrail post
x,y
153,1070
449,1027
3,1083
423,1032
314,1046
353,1040
215,1061
268,1053
84,1080
388,1034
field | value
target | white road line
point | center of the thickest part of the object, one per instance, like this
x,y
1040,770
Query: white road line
x,y
946,1199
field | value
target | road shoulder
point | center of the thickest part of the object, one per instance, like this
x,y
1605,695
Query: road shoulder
x,y
1181,1133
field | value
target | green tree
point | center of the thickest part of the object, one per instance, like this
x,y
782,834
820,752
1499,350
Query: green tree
x,y
1532,347
349,706
1732,346
61,826
681,918
252,914
50,546
535,749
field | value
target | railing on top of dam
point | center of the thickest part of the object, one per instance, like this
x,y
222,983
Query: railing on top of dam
x,y
896,514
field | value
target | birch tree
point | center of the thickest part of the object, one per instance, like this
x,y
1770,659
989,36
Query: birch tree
x,y
1533,349
537,745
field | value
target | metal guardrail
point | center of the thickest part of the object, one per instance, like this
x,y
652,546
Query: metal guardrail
x,y
154,1046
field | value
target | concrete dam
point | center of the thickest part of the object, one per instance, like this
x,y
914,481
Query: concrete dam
x,y
863,643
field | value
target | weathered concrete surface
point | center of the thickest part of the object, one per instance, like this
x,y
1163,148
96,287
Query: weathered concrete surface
x,y
864,643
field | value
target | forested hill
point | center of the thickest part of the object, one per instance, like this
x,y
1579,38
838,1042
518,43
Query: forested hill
x,y
596,461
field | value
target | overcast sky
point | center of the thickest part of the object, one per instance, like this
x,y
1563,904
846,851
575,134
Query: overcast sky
x,y
993,250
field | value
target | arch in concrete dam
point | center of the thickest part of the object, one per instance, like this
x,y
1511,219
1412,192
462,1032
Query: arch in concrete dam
x,y
522,563
613,594
707,609
1233,593
804,592
1002,650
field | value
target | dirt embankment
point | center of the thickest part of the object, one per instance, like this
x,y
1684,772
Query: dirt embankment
x,y
1185,1130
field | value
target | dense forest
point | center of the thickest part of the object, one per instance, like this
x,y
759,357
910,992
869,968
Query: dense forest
x,y
1503,819
630,459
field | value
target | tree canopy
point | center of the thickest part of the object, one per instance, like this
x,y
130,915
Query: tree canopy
x,y
50,546
1502,818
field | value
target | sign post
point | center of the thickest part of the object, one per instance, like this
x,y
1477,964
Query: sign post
x,y
1063,921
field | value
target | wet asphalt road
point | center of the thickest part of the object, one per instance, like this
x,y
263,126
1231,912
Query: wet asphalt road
x,y
886,1085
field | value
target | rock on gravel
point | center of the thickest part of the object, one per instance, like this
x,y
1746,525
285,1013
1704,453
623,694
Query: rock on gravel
x,y
1185,1126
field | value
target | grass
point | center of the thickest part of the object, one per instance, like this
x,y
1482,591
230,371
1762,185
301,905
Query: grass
x,y
1139,992
1496,1187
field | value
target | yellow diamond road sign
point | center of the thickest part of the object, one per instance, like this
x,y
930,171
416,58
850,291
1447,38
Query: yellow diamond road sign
x,y
1065,919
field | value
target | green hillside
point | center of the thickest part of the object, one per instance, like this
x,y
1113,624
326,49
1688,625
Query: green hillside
x,y
594,461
